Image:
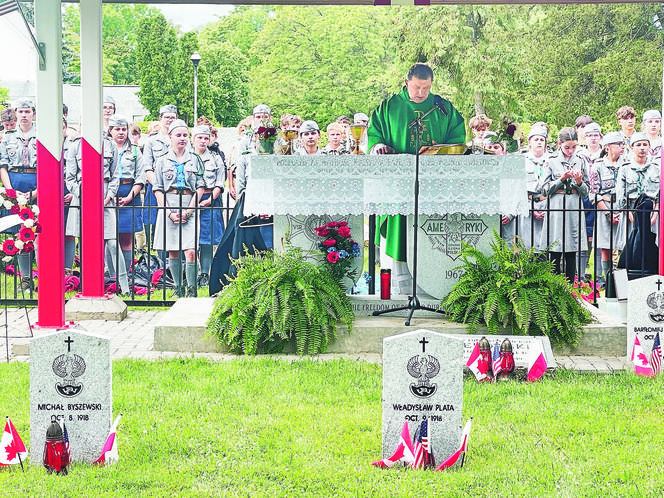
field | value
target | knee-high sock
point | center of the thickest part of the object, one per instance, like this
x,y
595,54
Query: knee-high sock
x,y
206,258
190,270
70,252
175,265
127,258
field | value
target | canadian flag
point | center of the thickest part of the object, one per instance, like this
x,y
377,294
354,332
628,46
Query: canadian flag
x,y
461,452
12,449
404,452
109,453
474,364
640,360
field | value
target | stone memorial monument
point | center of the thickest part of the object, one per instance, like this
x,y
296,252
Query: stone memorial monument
x,y
70,380
645,312
439,240
423,380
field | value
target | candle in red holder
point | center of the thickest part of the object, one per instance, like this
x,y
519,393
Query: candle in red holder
x,y
385,283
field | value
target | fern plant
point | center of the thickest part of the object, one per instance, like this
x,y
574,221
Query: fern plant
x,y
278,297
516,288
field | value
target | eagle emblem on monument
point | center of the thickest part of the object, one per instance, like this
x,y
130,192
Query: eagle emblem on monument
x,y
423,368
655,301
69,366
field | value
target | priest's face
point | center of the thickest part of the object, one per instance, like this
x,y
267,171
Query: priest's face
x,y
418,90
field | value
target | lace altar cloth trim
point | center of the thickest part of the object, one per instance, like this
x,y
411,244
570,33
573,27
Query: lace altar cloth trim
x,y
384,185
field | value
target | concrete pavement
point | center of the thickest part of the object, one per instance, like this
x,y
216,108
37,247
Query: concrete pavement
x,y
134,338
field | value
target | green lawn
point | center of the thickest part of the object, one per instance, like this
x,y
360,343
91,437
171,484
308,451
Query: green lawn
x,y
266,427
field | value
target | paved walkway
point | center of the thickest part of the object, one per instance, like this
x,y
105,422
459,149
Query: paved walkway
x,y
134,338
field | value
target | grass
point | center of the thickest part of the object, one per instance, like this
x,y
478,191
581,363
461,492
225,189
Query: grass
x,y
266,427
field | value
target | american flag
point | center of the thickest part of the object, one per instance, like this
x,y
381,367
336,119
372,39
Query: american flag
x,y
8,6
656,356
496,365
422,447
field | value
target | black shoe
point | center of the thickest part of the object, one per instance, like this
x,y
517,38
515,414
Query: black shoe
x,y
191,292
27,284
203,280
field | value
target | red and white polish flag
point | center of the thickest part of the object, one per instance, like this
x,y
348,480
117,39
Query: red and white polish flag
x,y
109,453
536,363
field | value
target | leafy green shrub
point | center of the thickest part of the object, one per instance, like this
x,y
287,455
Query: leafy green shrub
x,y
277,297
514,287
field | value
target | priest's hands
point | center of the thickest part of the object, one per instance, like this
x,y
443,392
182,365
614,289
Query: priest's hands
x,y
382,149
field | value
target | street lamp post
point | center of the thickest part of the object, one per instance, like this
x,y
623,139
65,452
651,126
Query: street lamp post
x,y
195,60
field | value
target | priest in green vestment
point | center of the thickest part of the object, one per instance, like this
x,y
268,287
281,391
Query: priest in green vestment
x,y
389,134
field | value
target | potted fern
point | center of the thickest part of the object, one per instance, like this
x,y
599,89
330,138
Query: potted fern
x,y
515,288
276,298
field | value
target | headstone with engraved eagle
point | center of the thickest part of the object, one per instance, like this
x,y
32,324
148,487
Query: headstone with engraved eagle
x,y
423,381
70,379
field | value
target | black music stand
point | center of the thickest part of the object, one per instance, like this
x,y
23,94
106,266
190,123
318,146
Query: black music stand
x,y
413,301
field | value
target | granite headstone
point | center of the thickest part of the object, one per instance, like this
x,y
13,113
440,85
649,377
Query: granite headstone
x,y
522,347
423,380
439,243
645,312
70,380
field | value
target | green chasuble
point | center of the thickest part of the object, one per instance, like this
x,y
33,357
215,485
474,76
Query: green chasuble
x,y
389,126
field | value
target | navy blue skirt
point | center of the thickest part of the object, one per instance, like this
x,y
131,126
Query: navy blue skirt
x,y
211,222
130,216
23,182
149,206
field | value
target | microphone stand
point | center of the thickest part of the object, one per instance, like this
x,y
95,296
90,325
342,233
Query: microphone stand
x,y
413,301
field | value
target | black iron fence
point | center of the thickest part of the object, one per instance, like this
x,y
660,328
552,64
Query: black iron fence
x,y
151,282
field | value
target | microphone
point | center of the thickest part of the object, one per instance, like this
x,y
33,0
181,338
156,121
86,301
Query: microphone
x,y
440,104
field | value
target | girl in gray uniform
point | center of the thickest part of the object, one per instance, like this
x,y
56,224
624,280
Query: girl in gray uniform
x,y
608,237
214,176
565,183
176,180
132,178
111,184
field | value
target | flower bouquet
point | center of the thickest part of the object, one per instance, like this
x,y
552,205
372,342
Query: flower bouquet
x,y
23,215
339,250
588,291
267,135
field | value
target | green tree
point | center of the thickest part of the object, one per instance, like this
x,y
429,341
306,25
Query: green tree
x,y
321,62
119,42
592,59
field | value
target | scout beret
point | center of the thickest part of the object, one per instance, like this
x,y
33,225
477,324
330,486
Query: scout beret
x,y
652,114
200,130
116,121
538,131
612,137
178,123
592,127
168,108
262,109
24,103
309,125
639,136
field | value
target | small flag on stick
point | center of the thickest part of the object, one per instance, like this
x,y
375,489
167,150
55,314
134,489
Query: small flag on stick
x,y
109,453
474,364
496,364
404,452
12,449
640,360
536,363
459,454
656,356
423,454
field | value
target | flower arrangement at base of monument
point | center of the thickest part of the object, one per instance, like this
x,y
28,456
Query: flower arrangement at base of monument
x,y
339,249
24,216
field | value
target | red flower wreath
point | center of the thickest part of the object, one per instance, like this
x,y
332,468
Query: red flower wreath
x,y
26,218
